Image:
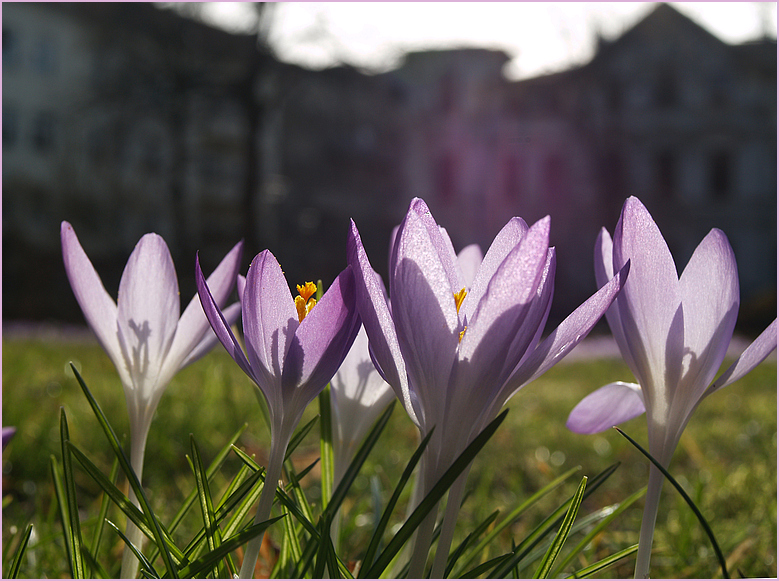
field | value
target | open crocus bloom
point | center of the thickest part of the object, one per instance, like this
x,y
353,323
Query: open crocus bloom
x,y
673,333
144,333
455,352
291,353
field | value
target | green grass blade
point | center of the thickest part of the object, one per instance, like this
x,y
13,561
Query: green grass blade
x,y
59,492
104,504
373,546
326,445
213,536
77,566
467,541
438,490
131,476
597,529
604,563
13,572
687,499
514,514
565,528
297,491
493,563
136,551
207,561
298,437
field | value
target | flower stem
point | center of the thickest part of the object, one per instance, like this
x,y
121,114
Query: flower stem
x,y
447,527
422,545
272,475
133,533
651,506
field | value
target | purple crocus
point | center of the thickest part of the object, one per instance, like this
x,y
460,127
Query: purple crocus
x,y
144,333
455,352
673,333
8,433
293,349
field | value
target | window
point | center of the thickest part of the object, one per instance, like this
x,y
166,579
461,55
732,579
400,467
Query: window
x,y
720,175
10,48
666,90
44,132
10,126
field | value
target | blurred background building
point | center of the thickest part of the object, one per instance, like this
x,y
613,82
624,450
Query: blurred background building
x,y
125,119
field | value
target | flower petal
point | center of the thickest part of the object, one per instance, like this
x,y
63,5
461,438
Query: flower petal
x,y
97,305
219,324
193,327
564,338
469,259
231,315
321,342
752,356
269,320
506,240
710,298
650,304
606,407
377,320
148,313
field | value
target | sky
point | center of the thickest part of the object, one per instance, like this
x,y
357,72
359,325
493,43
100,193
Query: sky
x,y
539,37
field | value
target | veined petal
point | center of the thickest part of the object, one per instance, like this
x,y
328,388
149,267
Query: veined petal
x,y
539,309
469,259
97,305
220,325
606,407
423,308
650,305
231,315
193,327
322,341
564,338
148,312
752,356
604,271
378,323
710,298
269,318
440,241
240,286
508,238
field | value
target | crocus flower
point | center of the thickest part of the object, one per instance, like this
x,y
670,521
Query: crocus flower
x,y
142,332
673,333
455,353
8,433
293,349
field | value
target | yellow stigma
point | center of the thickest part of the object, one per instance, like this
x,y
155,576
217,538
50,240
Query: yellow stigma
x,y
459,297
463,333
304,301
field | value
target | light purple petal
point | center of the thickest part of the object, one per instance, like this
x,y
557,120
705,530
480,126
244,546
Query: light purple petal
x,y
606,407
8,433
240,286
148,313
439,239
377,320
564,338
469,259
508,237
231,315
97,305
322,341
752,356
650,304
220,325
269,318
423,308
193,327
540,307
710,297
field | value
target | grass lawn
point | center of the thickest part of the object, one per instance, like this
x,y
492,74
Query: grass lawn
x,y
726,460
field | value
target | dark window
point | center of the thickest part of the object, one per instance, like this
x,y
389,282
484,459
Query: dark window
x,y
44,132
666,90
10,126
720,175
10,48
445,177
666,175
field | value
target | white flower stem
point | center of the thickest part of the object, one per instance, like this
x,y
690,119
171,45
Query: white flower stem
x,y
651,506
272,475
133,533
447,527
